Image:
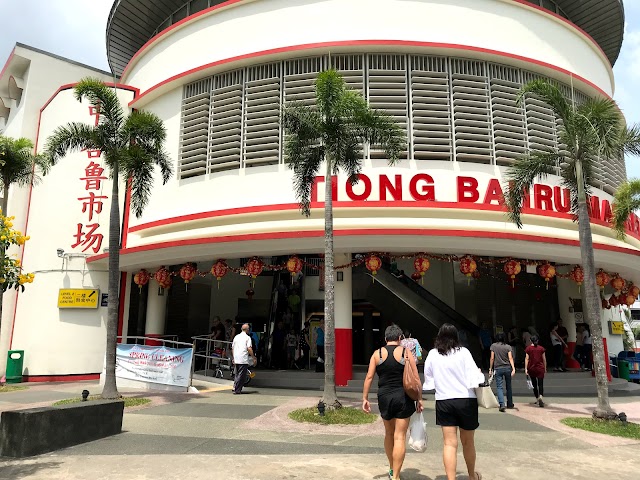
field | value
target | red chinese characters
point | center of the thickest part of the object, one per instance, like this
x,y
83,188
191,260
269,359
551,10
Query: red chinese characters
x,y
87,236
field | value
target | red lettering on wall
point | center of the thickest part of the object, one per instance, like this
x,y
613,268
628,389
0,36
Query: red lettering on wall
x,y
467,189
594,207
88,239
494,193
606,211
562,199
366,181
387,187
542,197
427,191
334,188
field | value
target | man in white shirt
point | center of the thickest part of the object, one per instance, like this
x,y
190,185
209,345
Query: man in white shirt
x,y
241,347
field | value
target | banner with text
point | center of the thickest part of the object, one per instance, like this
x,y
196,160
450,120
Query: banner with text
x,y
168,366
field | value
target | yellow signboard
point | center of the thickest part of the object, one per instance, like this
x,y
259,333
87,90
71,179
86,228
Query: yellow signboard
x,y
616,328
78,298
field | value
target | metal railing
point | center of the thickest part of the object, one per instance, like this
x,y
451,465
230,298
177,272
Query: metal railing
x,y
211,354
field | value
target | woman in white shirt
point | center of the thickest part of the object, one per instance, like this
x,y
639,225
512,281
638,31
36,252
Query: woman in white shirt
x,y
450,370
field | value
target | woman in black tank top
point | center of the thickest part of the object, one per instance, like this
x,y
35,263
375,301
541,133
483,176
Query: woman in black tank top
x,y
394,404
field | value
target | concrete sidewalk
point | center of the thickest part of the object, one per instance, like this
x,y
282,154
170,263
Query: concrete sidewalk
x,y
217,435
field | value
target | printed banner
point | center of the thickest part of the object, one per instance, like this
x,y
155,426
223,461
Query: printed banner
x,y
168,366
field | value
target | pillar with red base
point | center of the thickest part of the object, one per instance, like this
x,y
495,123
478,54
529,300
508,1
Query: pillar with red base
x,y
343,316
156,313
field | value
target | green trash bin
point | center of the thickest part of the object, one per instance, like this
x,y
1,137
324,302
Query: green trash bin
x,y
623,369
15,360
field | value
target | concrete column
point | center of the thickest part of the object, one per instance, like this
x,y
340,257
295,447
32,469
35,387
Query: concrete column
x,y
156,311
343,313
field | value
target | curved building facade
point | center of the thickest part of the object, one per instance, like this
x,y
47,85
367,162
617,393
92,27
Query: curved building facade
x,y
449,73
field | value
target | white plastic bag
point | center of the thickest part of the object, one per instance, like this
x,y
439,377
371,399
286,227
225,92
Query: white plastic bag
x,y
529,383
418,433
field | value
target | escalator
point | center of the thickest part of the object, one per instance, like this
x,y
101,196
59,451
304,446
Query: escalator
x,y
413,307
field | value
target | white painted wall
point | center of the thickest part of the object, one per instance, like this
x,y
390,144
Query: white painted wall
x,y
63,341
497,25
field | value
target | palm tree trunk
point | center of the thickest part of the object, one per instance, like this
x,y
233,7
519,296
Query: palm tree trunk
x,y
6,334
329,396
110,390
593,307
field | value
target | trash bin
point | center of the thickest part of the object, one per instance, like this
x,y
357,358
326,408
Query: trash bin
x,y
15,360
623,369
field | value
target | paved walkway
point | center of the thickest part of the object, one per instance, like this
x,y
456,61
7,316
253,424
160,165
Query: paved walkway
x,y
216,435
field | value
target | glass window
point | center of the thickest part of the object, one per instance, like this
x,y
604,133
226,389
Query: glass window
x,y
180,14
197,6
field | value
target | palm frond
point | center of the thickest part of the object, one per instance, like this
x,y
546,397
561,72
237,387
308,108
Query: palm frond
x,y
522,175
630,139
625,202
599,123
18,164
104,98
550,94
137,166
330,88
73,137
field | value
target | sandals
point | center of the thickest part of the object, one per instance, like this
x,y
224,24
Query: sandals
x,y
478,476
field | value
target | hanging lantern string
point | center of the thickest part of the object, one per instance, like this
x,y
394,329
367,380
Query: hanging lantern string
x,y
481,261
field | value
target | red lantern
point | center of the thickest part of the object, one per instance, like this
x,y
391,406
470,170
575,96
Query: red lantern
x,y
373,264
634,290
416,276
254,267
476,274
547,271
602,279
617,283
187,272
467,266
250,293
163,277
512,268
219,270
421,264
605,304
141,278
614,300
294,265
630,300
577,275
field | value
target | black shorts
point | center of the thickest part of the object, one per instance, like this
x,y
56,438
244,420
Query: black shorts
x,y
458,412
395,405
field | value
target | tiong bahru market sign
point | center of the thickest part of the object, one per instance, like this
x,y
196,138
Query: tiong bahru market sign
x,y
462,190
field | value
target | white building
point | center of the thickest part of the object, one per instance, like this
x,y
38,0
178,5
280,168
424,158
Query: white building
x,y
217,73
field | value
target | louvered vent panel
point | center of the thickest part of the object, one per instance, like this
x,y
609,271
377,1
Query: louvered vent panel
x,y
351,67
194,129
541,122
471,113
262,115
388,91
300,78
509,132
225,127
430,108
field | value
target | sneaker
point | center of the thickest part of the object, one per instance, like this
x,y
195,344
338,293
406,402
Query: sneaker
x,y
502,408
511,407
540,403
390,474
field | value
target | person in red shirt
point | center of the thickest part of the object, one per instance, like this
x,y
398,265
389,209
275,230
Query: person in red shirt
x,y
535,366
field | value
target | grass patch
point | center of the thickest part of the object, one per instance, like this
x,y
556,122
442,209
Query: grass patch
x,y
614,428
341,416
12,388
128,401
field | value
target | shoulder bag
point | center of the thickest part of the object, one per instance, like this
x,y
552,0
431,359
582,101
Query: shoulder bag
x,y
410,381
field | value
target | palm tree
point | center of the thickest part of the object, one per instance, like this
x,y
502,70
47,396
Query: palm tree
x,y
132,146
333,132
18,166
626,201
589,131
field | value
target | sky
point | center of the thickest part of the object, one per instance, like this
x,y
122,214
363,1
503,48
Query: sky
x,y
76,29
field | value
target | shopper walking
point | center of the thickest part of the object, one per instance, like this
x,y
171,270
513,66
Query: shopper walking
x,y
558,345
587,348
451,371
413,345
502,365
242,350
395,405
535,366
